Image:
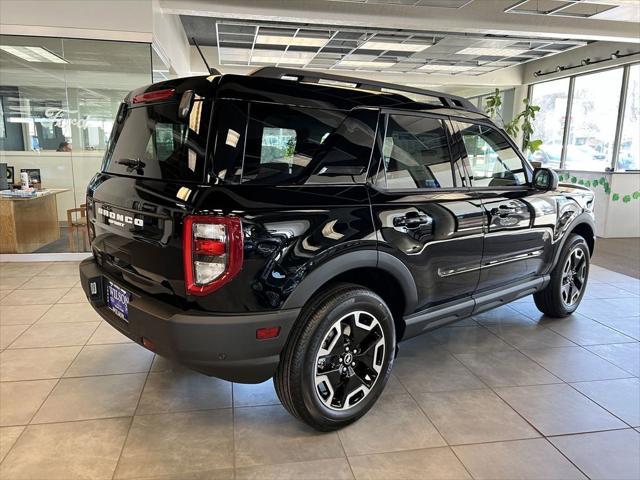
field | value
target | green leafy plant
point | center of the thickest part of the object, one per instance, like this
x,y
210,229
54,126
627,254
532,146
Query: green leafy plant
x,y
523,121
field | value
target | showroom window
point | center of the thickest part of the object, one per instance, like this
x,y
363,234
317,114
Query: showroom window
x,y
551,97
629,150
591,137
594,114
58,101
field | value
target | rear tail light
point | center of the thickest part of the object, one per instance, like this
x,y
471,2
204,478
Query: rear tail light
x,y
213,252
154,96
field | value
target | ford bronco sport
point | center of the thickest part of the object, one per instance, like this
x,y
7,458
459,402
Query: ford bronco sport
x,y
297,225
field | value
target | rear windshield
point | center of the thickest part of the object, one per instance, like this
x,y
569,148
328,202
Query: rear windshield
x,y
153,142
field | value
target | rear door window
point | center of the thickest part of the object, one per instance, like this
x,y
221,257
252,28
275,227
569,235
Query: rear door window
x,y
415,154
153,142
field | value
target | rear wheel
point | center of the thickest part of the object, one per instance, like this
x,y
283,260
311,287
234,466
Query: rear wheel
x,y
338,358
568,280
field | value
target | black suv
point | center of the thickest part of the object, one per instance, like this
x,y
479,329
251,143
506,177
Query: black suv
x,y
299,225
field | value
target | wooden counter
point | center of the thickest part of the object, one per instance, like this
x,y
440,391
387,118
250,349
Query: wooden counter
x,y
26,224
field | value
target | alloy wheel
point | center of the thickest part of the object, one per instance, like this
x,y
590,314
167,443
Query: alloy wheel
x,y
573,276
349,360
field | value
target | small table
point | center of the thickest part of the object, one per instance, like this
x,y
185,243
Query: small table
x,y
26,224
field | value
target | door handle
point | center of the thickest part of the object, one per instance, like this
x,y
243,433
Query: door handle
x,y
503,211
413,220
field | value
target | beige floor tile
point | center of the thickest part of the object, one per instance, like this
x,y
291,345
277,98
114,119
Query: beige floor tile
x,y
8,437
394,423
22,315
22,269
473,416
269,435
11,283
629,326
504,315
588,332
530,336
336,468
220,474
604,290
575,364
620,397
46,296
177,443
184,390
633,287
55,335
250,395
92,397
602,309
604,455
432,463
106,334
162,364
469,339
500,369
534,459
75,295
433,371
623,355
40,281
110,360
35,363
19,401
62,269
62,451
70,313
5,293
8,334
558,409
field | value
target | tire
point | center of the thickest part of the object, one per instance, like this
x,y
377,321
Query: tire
x,y
568,280
322,378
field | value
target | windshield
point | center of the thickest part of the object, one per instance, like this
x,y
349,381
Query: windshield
x,y
153,142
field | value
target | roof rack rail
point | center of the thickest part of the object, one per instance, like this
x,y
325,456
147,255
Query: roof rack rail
x,y
447,100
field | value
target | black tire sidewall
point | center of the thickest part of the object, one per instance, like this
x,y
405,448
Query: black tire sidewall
x,y
358,300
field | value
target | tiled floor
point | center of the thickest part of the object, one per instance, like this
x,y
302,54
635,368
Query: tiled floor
x,y
509,394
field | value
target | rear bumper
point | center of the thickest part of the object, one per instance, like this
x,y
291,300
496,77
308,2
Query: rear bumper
x,y
223,346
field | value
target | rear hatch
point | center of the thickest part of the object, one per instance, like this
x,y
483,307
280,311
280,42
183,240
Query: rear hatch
x,y
150,175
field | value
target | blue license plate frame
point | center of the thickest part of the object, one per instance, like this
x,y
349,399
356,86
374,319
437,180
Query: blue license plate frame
x,y
118,300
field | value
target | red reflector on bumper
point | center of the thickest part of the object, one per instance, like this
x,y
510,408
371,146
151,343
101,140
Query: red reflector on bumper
x,y
148,344
267,333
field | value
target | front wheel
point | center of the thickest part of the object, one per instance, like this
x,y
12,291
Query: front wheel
x,y
338,358
568,280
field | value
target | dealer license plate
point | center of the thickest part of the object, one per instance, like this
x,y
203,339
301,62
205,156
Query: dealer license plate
x,y
118,300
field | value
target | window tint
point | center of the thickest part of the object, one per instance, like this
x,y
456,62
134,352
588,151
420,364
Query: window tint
x,y
292,145
415,154
491,160
153,142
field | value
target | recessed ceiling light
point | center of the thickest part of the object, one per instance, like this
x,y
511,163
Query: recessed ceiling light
x,y
33,54
364,63
446,68
284,40
397,47
493,52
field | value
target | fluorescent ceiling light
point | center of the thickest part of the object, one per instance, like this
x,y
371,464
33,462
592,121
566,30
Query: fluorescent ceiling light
x,y
446,68
396,47
297,58
284,40
363,63
33,54
493,52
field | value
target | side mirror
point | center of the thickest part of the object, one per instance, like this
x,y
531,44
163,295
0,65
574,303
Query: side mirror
x,y
545,179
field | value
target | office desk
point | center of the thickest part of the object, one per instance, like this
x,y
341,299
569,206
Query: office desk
x,y
27,224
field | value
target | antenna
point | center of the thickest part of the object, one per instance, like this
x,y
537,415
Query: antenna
x,y
212,71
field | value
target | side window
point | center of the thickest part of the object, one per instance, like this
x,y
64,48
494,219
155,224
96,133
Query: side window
x,y
283,140
492,162
415,154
